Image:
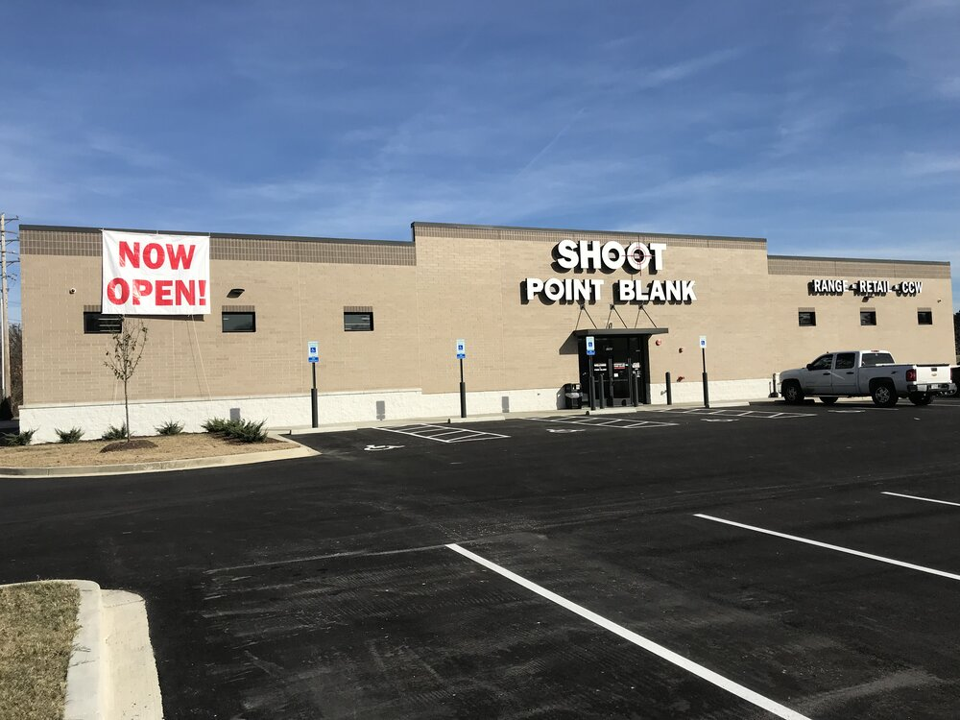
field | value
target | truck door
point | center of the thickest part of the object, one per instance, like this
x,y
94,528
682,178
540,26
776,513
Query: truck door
x,y
818,379
845,374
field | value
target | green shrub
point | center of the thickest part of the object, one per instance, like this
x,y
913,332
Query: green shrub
x,y
244,431
115,433
6,409
249,432
170,427
69,436
216,425
22,438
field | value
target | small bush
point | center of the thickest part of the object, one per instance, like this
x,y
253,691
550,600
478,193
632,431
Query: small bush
x,y
115,433
249,432
69,436
6,409
244,431
22,438
170,427
216,425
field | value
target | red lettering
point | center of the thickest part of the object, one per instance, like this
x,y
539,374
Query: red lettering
x,y
118,291
163,289
180,254
129,254
141,288
184,292
153,256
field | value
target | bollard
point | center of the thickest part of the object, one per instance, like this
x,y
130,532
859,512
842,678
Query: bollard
x,y
669,391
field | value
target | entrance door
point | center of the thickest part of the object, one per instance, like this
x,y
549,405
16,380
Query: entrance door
x,y
616,370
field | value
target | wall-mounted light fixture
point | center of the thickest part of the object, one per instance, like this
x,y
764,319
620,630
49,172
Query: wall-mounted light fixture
x,y
235,293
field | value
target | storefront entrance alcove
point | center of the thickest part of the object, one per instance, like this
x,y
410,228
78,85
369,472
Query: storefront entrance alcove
x,y
621,366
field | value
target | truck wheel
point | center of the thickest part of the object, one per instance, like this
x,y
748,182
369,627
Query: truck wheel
x,y
828,400
919,398
884,395
792,393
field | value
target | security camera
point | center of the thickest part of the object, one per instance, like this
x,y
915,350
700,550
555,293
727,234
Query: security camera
x,y
73,291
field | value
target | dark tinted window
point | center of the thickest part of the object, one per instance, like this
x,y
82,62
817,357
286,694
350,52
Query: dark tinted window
x,y
845,361
822,363
808,318
358,321
94,322
924,317
868,317
239,322
876,358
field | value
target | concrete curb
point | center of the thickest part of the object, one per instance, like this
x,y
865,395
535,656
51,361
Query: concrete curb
x,y
86,678
291,453
112,673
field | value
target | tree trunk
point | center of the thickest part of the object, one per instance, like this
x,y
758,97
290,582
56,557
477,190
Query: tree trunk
x,y
126,407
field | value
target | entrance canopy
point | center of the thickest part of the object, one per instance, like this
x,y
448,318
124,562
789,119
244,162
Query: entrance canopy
x,y
619,332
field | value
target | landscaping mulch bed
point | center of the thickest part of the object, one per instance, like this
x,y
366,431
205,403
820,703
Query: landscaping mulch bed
x,y
37,624
169,447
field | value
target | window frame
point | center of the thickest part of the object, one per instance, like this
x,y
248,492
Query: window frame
x,y
869,315
225,313
812,315
920,317
367,313
99,317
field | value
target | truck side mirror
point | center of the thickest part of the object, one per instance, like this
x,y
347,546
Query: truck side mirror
x,y
809,366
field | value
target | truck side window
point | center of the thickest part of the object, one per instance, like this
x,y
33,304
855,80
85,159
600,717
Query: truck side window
x,y
845,361
822,363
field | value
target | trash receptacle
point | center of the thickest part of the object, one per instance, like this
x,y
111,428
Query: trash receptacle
x,y
573,397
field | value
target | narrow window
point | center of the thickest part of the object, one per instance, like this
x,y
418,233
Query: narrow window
x,y
808,318
868,317
239,322
924,317
95,323
358,321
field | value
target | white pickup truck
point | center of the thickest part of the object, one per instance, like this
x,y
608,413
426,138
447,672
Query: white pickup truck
x,y
854,373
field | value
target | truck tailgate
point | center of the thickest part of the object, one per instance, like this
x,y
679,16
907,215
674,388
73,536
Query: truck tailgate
x,y
929,374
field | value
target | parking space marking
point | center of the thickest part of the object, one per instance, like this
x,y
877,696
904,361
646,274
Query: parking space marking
x,y
828,546
650,646
761,414
439,433
917,497
606,422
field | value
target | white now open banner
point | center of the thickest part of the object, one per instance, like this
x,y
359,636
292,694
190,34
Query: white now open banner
x,y
146,274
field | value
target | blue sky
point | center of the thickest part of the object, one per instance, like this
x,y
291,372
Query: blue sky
x,y
830,128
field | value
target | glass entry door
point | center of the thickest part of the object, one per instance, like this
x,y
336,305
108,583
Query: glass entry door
x,y
617,372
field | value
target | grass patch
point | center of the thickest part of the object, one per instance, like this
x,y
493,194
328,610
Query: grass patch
x,y
37,625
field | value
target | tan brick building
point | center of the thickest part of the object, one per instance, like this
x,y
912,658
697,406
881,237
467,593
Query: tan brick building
x,y
387,315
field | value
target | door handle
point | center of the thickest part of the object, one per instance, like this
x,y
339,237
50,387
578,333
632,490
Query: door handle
x,y
826,373
849,372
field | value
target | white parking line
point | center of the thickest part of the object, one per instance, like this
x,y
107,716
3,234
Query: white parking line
x,y
828,546
761,414
430,432
917,497
607,422
660,651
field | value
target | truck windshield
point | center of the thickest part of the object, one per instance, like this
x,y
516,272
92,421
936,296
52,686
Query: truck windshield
x,y
873,359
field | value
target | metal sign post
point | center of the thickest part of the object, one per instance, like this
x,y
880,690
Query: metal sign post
x,y
461,354
706,387
313,357
591,351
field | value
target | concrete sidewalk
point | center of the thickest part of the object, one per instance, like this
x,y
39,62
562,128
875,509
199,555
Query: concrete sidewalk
x,y
450,420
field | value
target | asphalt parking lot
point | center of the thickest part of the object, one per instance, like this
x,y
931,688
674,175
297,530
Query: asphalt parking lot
x,y
755,562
